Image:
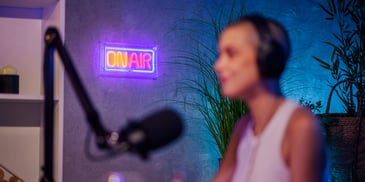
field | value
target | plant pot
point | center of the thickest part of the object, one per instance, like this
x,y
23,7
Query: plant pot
x,y
346,142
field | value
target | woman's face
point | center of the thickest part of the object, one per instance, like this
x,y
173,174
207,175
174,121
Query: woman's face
x,y
236,65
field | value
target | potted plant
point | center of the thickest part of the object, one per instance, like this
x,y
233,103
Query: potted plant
x,y
218,112
346,131
314,107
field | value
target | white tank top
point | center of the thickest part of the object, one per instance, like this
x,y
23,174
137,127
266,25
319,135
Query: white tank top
x,y
259,158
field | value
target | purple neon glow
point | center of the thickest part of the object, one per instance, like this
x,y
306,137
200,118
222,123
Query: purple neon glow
x,y
119,60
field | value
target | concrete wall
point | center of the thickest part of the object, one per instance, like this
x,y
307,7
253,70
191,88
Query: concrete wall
x,y
145,22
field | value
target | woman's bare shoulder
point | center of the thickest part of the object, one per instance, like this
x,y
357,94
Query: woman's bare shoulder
x,y
305,146
304,134
303,120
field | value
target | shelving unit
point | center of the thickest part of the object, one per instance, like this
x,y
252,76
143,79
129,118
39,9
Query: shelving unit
x,y
28,4
23,24
21,98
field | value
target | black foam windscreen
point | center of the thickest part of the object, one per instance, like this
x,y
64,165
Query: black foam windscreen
x,y
161,128
152,132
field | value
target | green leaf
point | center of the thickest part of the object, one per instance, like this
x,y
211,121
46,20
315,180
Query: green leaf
x,y
347,6
324,9
332,6
323,64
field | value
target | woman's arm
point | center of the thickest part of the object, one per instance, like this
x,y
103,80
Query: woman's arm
x,y
306,147
228,163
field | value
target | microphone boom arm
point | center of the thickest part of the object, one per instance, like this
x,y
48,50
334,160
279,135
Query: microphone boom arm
x,y
104,141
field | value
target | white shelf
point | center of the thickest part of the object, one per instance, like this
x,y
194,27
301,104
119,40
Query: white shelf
x,y
22,98
20,110
27,3
30,9
27,20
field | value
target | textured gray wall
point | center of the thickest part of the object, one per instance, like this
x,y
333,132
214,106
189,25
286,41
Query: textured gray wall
x,y
119,99
146,22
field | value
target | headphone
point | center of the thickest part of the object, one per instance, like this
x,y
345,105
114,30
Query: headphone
x,y
271,55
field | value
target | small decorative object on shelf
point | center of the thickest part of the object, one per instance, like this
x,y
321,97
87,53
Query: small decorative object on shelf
x,y
6,173
9,80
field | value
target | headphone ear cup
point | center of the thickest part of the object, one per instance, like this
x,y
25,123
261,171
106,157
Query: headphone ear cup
x,y
271,59
271,55
263,52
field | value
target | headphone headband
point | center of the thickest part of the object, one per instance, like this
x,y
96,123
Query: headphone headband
x,y
271,55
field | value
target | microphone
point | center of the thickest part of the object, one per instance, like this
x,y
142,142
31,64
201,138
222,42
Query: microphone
x,y
152,132
155,131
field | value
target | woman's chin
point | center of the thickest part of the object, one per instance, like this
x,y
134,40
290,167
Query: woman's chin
x,y
231,94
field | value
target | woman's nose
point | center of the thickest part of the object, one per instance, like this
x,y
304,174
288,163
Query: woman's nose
x,y
218,65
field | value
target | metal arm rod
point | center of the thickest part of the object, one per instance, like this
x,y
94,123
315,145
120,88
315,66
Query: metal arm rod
x,y
48,69
53,42
53,39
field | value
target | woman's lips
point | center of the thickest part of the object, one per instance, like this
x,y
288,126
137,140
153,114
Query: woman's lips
x,y
222,80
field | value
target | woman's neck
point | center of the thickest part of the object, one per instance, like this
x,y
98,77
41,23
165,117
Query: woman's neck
x,y
263,103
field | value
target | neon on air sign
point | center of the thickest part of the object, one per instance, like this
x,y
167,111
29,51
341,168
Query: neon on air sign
x,y
129,62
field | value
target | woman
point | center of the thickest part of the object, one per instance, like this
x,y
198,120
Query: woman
x,y
278,141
